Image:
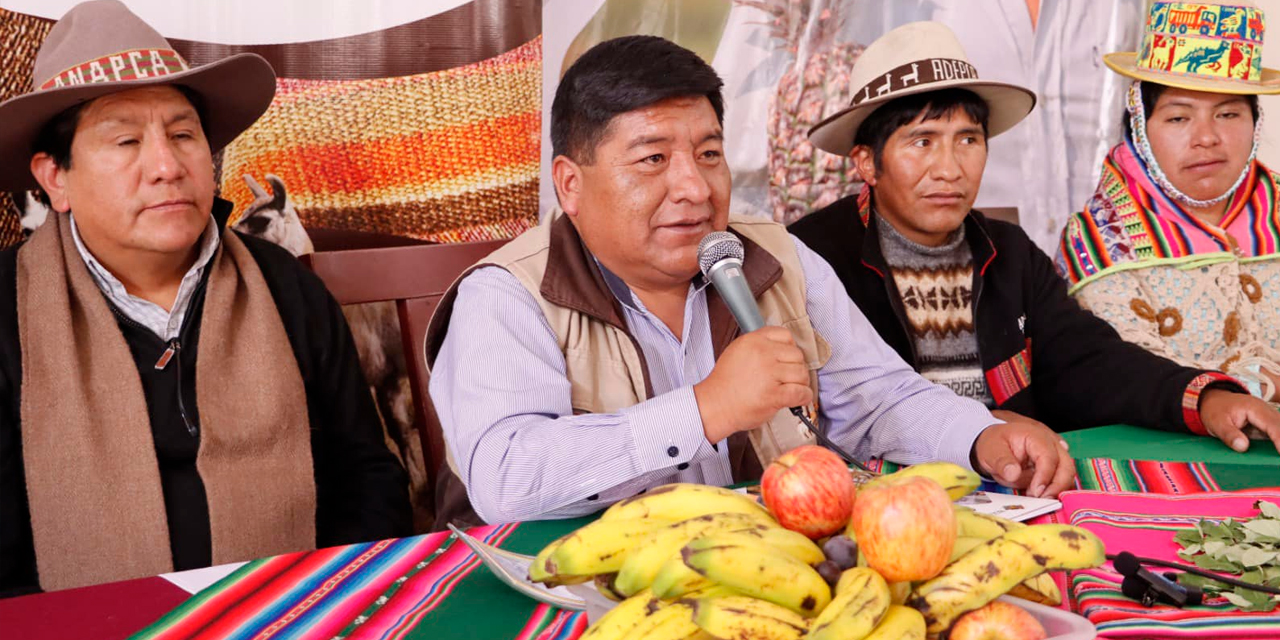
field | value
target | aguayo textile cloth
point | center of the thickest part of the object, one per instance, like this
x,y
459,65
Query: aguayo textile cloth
x,y
429,586
1145,524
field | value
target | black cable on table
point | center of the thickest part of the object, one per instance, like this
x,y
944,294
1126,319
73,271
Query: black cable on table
x,y
1201,572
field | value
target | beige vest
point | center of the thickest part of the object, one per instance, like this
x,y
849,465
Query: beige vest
x,y
605,366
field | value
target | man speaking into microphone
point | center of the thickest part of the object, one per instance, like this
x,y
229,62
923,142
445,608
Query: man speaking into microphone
x,y
589,360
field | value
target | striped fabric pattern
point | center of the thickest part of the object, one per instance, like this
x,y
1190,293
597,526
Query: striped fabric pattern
x,y
371,590
1145,524
447,156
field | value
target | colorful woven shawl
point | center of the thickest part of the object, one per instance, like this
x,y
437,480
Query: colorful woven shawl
x,y
1131,220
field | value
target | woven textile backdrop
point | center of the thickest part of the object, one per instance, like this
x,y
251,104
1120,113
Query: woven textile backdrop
x,y
411,117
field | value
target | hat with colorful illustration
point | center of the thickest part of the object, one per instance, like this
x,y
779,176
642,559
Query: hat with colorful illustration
x,y
1201,46
101,47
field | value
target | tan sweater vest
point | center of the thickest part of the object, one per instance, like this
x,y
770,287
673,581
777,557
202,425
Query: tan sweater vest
x,y
606,369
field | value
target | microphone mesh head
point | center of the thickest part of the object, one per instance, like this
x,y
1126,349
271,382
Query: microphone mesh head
x,y
717,246
1126,563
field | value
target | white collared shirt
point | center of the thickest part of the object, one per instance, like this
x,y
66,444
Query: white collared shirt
x,y
165,324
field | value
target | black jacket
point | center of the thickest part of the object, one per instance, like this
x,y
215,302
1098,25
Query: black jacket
x,y
361,489
1078,371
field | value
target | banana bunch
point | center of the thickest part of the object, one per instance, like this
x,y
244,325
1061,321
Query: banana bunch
x,y
754,568
998,565
975,529
734,617
641,523
956,480
701,563
681,501
860,604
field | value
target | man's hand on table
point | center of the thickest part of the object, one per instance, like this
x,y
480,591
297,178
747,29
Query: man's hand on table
x,y
758,375
1025,454
1225,414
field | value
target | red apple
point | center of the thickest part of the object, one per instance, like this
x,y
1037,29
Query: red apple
x,y
809,490
905,527
997,620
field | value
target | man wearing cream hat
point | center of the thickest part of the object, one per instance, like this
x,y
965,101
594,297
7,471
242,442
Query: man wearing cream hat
x,y
172,395
972,303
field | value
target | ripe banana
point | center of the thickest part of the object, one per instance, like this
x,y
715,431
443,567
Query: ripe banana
x,y
992,569
899,592
759,572
900,623
600,547
667,620
971,524
622,618
604,584
677,580
1040,589
964,544
792,543
956,480
642,564
744,618
681,501
538,568
862,598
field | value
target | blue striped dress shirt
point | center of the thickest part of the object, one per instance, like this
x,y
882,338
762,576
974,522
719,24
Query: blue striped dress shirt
x,y
502,395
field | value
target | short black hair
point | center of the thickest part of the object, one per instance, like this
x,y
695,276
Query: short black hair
x,y
1151,92
622,75
56,136
876,130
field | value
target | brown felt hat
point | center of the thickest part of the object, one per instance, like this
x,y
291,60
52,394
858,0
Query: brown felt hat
x,y
101,47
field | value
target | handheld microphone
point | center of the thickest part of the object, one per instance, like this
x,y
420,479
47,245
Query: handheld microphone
x,y
720,256
1149,588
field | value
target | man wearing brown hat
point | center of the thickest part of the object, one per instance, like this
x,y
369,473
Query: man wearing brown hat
x,y
972,303
172,395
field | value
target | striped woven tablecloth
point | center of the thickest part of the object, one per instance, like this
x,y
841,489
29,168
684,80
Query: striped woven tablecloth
x,y
434,587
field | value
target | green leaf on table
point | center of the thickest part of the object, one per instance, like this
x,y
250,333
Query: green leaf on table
x,y
1269,509
1256,557
1191,550
1250,600
1236,528
1215,531
1188,537
1214,564
1201,582
1264,527
1214,547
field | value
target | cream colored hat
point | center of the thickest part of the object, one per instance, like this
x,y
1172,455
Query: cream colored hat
x,y
1201,46
99,48
917,58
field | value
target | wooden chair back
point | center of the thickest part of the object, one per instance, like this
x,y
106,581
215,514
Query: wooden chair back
x,y
415,278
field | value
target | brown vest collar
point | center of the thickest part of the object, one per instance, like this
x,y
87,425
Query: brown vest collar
x,y
573,280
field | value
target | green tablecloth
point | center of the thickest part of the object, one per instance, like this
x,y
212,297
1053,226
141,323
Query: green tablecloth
x,y
1136,443
1232,471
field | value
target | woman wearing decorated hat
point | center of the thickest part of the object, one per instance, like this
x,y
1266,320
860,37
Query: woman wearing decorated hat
x,y
1179,249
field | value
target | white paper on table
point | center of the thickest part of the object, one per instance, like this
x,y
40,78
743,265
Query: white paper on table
x,y
194,581
1016,508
